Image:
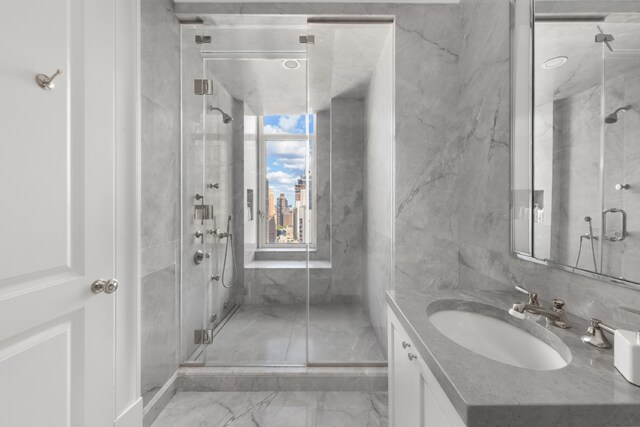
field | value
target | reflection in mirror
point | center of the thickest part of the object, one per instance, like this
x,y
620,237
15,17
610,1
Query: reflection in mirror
x,y
584,207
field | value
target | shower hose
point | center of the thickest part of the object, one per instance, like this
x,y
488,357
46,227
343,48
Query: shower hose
x,y
233,256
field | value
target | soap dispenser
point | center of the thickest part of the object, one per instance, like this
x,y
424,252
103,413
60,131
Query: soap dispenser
x,y
627,354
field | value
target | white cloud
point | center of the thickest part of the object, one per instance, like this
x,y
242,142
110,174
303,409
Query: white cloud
x,y
286,149
288,123
296,163
281,179
271,129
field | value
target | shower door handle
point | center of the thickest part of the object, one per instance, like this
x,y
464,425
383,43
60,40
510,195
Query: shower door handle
x,y
619,236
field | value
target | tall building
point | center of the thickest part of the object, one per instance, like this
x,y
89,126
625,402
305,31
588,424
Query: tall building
x,y
267,192
298,223
301,189
287,219
282,207
271,229
271,204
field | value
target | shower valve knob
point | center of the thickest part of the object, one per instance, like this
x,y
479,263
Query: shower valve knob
x,y
212,185
622,187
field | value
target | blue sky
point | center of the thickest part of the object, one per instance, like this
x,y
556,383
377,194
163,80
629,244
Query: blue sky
x,y
285,159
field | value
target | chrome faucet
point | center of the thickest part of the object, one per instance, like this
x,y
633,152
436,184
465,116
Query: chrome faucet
x,y
555,315
595,336
533,297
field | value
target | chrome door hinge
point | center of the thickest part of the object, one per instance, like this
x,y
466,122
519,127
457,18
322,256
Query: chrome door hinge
x,y
203,336
604,38
203,39
308,39
203,87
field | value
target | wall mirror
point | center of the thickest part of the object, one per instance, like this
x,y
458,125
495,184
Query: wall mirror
x,y
576,136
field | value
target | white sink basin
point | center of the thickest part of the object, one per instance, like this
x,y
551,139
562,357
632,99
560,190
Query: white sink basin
x,y
491,334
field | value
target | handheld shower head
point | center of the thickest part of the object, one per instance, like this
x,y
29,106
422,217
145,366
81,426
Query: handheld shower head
x,y
613,117
226,118
588,220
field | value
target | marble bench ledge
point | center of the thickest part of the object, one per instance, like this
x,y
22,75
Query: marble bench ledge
x,y
287,265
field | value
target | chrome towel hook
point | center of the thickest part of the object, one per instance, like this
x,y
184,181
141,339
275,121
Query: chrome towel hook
x,y
46,82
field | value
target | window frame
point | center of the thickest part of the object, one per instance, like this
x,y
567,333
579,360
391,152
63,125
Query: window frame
x,y
262,177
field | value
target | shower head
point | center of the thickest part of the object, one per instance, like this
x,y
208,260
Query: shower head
x,y
226,118
613,117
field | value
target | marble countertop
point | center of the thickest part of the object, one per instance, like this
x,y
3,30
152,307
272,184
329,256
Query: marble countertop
x,y
589,391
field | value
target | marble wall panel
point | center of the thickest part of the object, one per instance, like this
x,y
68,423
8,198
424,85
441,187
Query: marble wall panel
x,y
347,207
378,191
159,337
160,176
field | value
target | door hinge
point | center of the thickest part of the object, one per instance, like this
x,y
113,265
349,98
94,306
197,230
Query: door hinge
x,y
203,39
604,38
203,336
203,87
308,39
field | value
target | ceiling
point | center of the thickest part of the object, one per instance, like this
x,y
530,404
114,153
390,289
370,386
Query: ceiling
x,y
247,60
584,68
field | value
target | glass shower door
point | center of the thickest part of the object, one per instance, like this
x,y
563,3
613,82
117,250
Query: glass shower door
x,y
197,205
252,128
349,190
620,247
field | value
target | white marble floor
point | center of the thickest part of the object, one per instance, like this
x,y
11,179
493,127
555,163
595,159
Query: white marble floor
x,y
275,409
276,334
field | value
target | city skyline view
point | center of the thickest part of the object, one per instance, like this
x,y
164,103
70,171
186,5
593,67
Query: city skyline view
x,y
285,160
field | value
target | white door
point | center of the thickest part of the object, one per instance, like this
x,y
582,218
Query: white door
x,y
57,218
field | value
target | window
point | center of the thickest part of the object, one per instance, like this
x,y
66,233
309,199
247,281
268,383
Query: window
x,y
286,198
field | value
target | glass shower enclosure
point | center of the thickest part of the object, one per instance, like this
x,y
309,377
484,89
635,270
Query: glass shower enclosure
x,y
281,135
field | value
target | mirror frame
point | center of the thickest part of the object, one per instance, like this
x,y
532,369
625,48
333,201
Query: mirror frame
x,y
522,96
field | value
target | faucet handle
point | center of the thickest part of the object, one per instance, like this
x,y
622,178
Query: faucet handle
x,y
558,304
595,336
533,297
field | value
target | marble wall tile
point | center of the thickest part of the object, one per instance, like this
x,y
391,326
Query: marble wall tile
x,y
323,186
347,207
160,173
426,149
378,191
159,337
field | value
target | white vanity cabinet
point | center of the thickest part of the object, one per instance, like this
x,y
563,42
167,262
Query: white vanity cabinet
x,y
415,397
